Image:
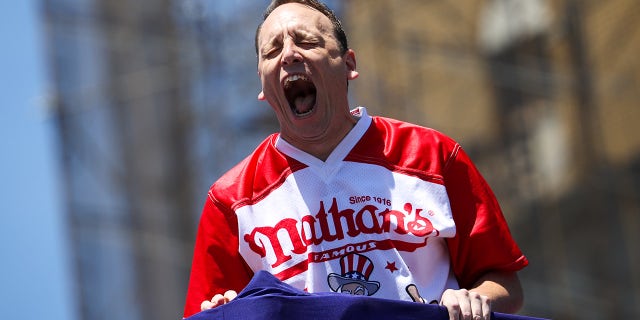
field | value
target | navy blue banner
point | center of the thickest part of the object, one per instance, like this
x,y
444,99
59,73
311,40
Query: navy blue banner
x,y
266,297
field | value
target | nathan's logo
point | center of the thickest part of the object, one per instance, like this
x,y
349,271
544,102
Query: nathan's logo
x,y
334,224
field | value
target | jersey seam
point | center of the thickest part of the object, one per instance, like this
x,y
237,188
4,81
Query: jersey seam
x,y
431,177
452,156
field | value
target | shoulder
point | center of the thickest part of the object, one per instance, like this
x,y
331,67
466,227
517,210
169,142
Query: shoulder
x,y
397,130
405,144
253,176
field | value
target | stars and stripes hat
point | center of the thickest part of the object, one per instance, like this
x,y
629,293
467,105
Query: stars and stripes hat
x,y
354,268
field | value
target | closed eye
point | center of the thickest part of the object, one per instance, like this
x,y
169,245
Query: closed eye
x,y
270,54
271,50
307,44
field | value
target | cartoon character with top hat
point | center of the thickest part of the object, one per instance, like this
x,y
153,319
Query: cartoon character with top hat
x,y
354,278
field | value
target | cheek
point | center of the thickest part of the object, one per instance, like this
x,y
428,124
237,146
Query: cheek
x,y
267,67
269,79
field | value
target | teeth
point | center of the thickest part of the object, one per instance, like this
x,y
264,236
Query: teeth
x,y
294,77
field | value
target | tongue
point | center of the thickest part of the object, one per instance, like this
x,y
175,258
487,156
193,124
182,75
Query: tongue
x,y
304,103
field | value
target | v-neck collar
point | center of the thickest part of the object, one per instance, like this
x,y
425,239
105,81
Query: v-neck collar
x,y
326,169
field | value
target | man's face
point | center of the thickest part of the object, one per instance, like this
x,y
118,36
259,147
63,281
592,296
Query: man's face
x,y
354,288
304,75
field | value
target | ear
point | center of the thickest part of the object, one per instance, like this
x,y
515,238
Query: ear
x,y
350,60
261,94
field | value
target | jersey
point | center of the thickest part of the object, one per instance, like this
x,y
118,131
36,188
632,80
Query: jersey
x,y
397,211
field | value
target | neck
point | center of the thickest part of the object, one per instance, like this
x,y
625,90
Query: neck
x,y
321,147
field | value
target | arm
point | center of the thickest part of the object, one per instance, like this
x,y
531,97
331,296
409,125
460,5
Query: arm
x,y
484,256
217,265
494,291
503,289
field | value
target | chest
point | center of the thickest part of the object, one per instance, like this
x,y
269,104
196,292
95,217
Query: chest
x,y
318,211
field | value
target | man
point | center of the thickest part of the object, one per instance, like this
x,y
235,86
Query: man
x,y
340,195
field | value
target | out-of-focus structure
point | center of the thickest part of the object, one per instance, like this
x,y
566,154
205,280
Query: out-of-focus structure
x,y
544,95
151,102
155,99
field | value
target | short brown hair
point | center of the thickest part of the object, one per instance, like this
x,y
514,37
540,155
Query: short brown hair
x,y
338,31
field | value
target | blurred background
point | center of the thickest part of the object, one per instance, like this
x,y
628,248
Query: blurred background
x,y
118,115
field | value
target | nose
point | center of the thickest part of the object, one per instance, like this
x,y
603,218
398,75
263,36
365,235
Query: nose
x,y
290,53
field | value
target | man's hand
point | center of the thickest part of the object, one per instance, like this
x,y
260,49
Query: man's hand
x,y
218,300
466,305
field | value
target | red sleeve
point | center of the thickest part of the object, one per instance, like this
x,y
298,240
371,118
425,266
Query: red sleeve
x,y
483,241
217,265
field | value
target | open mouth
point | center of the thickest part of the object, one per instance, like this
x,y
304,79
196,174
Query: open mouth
x,y
300,93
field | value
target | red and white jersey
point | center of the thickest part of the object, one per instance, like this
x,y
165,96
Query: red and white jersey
x,y
396,211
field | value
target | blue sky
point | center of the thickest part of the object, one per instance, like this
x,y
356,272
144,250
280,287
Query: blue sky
x,y
35,276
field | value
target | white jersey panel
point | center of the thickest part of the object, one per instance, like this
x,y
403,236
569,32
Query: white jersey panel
x,y
399,222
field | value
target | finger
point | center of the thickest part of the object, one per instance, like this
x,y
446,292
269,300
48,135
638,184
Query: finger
x,y
230,295
450,301
464,301
477,305
217,300
206,305
486,307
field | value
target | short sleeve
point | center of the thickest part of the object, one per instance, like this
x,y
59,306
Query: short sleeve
x,y
483,241
217,266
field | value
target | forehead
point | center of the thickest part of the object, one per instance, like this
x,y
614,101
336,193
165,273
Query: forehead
x,y
293,17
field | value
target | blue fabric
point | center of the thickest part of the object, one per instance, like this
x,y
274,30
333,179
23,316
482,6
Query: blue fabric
x,y
266,297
